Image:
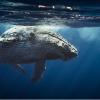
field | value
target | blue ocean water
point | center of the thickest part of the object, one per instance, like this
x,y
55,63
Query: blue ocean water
x,y
80,25
76,78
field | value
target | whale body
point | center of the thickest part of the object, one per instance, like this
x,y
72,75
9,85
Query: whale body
x,y
33,44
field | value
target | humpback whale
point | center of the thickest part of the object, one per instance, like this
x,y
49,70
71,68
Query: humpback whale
x,y
33,44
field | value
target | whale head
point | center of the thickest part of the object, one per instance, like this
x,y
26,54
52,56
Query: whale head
x,y
57,46
65,50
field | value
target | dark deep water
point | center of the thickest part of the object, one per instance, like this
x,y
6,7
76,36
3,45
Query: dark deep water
x,y
76,78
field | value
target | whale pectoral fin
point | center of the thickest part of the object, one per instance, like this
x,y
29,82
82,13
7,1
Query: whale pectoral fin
x,y
20,68
39,69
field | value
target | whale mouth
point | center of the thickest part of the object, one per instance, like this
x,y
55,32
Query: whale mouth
x,y
69,55
63,56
